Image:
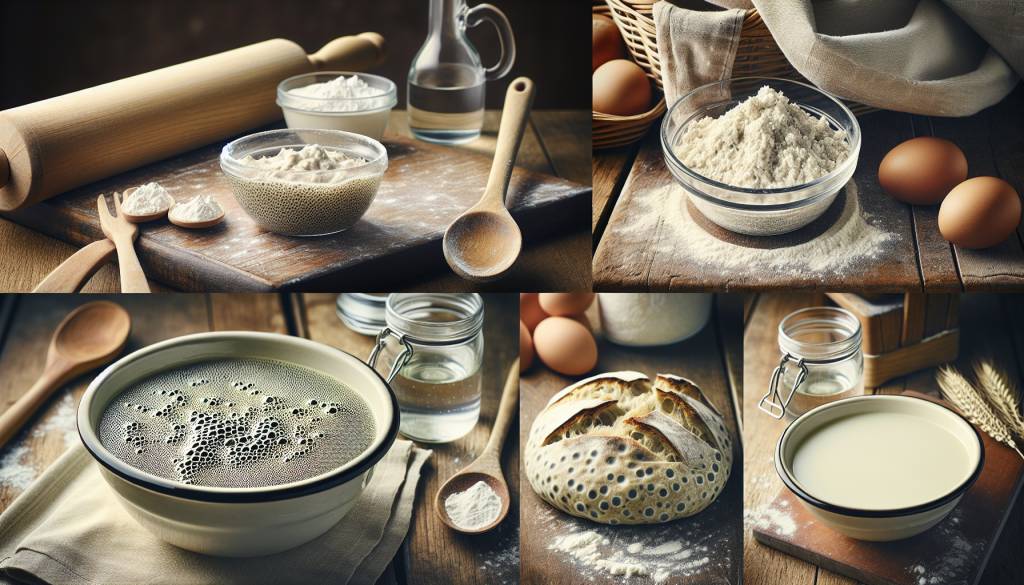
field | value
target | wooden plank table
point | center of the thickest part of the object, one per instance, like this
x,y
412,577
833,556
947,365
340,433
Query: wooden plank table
x,y
647,238
431,554
557,143
705,359
991,327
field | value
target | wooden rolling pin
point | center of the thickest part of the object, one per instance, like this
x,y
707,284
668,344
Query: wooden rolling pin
x,y
52,146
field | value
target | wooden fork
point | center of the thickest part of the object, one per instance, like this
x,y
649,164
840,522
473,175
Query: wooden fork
x,y
123,233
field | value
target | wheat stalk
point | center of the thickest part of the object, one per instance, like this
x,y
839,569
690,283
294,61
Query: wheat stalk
x,y
1001,394
959,391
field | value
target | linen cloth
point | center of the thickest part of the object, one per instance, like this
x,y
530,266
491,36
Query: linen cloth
x,y
68,529
932,57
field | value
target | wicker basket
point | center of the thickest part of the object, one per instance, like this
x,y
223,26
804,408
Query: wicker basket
x,y
608,131
756,56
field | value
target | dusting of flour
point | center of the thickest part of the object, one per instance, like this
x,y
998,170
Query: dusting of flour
x,y
15,471
765,142
663,213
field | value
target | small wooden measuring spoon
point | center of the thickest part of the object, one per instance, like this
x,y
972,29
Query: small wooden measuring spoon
x,y
486,467
90,336
484,242
144,217
196,225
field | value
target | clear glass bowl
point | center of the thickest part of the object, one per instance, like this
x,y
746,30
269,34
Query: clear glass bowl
x,y
758,212
304,203
362,115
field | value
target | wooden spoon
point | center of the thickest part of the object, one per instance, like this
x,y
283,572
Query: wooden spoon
x,y
73,273
486,467
90,336
123,234
484,242
146,216
196,225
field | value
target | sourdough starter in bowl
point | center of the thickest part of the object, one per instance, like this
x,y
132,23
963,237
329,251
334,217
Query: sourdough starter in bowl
x,y
237,423
305,182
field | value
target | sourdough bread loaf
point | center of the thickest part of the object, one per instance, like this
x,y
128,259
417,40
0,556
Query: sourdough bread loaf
x,y
618,449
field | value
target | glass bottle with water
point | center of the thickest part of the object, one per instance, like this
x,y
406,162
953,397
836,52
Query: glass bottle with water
x,y
446,79
436,344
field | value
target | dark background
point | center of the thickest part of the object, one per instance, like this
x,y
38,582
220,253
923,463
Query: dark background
x,y
51,47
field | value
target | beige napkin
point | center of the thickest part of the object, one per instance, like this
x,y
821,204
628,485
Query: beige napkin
x,y
696,47
68,529
946,58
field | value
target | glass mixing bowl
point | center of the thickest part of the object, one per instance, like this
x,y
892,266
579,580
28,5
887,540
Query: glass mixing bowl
x,y
758,212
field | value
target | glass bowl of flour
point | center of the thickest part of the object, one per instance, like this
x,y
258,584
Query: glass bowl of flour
x,y
760,156
304,182
338,100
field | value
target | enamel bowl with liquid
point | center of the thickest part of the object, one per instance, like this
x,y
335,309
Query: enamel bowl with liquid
x,y
880,468
238,443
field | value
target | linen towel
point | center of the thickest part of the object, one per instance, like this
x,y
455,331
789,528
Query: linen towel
x,y
68,529
931,57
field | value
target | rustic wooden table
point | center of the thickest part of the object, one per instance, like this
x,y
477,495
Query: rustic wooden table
x,y
646,238
431,553
556,143
713,360
992,326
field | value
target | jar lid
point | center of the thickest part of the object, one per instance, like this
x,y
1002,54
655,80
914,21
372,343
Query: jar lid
x,y
363,313
820,334
436,318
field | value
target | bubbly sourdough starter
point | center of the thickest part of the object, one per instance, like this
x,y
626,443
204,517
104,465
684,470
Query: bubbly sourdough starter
x,y
237,423
880,460
285,197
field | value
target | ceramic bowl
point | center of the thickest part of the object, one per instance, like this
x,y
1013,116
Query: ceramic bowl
x,y
758,212
238,522
364,115
875,522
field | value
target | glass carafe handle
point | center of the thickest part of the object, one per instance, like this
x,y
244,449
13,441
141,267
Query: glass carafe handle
x,y
486,12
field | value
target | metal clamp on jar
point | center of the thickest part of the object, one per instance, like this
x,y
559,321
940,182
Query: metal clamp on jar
x,y
438,350
822,361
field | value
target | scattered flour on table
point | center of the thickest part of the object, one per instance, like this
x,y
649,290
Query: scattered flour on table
x,y
341,94
771,517
764,142
196,209
656,552
953,560
15,473
664,219
147,199
474,508
500,559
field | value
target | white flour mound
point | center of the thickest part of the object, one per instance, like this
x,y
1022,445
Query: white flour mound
x,y
665,219
147,199
341,94
765,142
474,508
198,208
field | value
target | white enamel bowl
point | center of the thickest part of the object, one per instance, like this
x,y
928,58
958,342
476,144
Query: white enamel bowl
x,y
881,523
238,522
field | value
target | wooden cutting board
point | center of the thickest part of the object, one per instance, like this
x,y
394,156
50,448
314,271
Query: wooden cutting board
x,y
715,534
954,552
425,187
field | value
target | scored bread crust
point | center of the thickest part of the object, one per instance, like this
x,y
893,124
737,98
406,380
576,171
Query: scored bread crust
x,y
617,448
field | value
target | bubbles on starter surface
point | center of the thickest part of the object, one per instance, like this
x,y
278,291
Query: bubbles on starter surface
x,y
237,423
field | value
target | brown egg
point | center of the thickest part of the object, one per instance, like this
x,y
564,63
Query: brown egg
x,y
921,171
529,310
565,346
525,348
621,89
606,43
980,213
565,304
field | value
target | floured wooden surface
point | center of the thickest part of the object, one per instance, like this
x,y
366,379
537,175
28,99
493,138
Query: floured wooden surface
x,y
424,188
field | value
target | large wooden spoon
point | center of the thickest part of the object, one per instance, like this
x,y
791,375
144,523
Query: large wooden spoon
x,y
486,467
90,336
484,242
